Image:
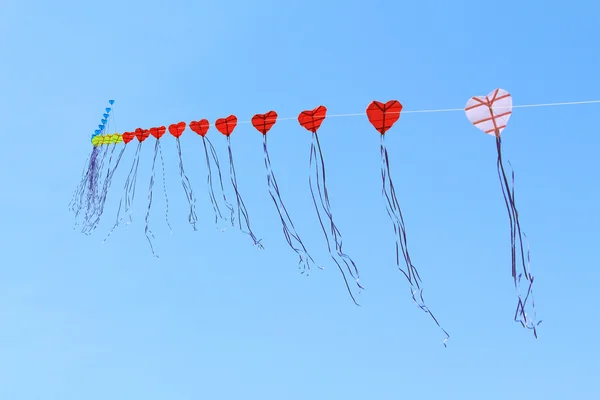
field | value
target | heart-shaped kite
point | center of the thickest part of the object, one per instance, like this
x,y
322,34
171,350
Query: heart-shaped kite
x,y
311,119
226,125
177,129
158,132
200,127
142,134
128,137
490,113
384,116
264,122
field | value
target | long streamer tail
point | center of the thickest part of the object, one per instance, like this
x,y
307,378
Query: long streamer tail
x,y
392,206
106,185
209,182
187,188
147,231
215,159
129,191
241,207
521,256
317,165
164,179
289,231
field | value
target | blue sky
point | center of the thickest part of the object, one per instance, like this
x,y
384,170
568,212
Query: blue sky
x,y
216,318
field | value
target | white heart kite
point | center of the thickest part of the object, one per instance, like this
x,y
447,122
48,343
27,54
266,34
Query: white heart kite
x,y
490,113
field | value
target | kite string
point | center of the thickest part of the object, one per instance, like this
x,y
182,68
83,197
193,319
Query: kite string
x,y
443,110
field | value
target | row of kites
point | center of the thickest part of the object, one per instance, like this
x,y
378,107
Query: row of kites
x,y
489,113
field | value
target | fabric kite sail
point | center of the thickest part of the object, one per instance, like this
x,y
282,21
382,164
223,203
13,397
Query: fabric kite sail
x,y
311,120
491,114
226,127
263,123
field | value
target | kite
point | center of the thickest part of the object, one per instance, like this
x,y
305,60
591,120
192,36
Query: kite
x,y
86,197
311,120
226,127
201,128
263,123
491,114
383,116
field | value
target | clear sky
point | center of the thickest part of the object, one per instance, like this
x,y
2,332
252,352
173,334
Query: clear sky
x,y
216,318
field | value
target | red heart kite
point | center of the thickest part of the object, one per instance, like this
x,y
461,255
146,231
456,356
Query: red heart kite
x,y
142,134
127,137
384,116
158,132
200,127
311,120
226,125
264,122
177,129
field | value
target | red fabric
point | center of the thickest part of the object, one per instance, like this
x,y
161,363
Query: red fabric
x,y
158,132
127,137
200,127
384,116
177,129
264,122
311,119
142,134
226,125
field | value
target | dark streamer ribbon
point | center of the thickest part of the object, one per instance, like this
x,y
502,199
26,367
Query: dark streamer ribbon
x,y
241,207
209,182
319,167
289,231
76,203
106,185
187,187
517,256
395,213
147,230
164,179
129,189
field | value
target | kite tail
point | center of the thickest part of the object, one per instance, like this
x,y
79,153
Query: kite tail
x,y
216,161
241,207
289,230
187,187
164,179
89,194
128,189
392,206
525,301
209,182
147,230
76,202
101,198
325,205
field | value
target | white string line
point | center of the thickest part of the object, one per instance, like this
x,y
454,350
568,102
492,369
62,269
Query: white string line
x,y
441,110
